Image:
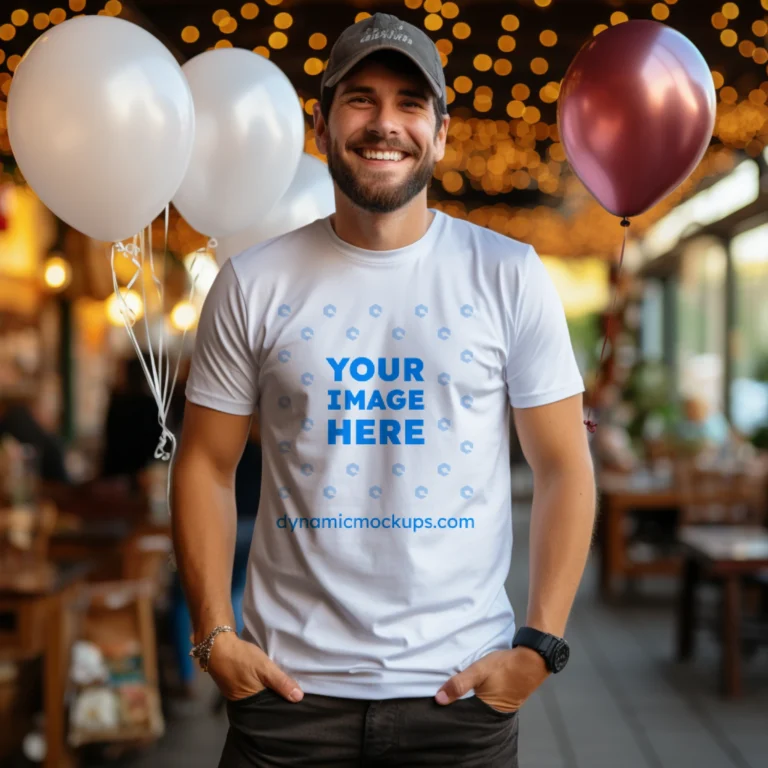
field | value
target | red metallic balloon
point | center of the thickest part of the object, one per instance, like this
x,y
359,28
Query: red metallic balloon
x,y
636,114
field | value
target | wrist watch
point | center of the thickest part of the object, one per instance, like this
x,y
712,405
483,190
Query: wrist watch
x,y
554,650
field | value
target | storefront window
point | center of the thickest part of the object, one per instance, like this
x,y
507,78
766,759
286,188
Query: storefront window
x,y
749,397
701,320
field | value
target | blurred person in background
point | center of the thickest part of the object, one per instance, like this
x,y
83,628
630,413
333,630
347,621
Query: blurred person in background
x,y
702,427
18,420
131,430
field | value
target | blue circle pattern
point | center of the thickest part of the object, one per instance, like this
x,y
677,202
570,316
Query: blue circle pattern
x,y
375,492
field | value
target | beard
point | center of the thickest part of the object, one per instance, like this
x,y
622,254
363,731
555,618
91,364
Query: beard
x,y
369,192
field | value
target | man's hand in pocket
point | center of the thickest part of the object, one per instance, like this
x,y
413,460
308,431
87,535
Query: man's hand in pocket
x,y
502,679
242,669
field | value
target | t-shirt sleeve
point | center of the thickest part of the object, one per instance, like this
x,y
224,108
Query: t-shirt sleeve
x,y
224,372
541,366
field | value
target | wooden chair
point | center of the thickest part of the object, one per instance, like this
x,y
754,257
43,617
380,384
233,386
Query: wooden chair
x,y
717,497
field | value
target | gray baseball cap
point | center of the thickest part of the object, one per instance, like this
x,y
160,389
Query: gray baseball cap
x,y
384,32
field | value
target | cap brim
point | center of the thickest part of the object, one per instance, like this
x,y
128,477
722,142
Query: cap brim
x,y
337,76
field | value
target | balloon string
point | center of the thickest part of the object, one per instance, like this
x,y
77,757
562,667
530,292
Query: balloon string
x,y
158,377
589,423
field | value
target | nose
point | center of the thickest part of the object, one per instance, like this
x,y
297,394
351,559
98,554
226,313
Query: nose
x,y
384,122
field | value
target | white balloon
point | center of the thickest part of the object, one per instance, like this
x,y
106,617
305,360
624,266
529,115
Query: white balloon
x,y
101,122
309,197
248,140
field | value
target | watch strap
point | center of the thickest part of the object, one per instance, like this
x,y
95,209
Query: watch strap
x,y
541,642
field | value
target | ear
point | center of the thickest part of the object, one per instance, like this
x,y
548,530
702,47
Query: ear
x,y
321,129
441,137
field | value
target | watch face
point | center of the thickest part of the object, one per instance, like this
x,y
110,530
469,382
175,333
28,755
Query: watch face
x,y
560,656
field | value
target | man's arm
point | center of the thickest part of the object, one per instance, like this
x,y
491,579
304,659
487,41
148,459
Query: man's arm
x,y
554,442
204,520
204,516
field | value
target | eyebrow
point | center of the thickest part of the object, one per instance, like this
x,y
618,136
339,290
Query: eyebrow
x,y
410,92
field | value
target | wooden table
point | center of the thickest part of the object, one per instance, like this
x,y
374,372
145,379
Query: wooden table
x,y
620,495
40,599
727,553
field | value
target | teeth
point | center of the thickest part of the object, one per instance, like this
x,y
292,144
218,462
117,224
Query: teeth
x,y
373,154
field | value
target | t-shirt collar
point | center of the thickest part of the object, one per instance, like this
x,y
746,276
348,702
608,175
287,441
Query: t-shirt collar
x,y
386,258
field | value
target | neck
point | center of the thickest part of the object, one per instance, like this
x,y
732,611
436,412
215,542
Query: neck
x,y
381,231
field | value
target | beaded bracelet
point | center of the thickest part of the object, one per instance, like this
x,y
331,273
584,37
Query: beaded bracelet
x,y
202,651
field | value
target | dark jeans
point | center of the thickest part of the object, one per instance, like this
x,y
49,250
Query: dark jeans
x,y
265,730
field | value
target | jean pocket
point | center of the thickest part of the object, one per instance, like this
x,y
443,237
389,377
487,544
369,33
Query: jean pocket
x,y
488,708
262,694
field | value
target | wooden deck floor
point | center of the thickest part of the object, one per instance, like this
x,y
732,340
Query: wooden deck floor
x,y
622,702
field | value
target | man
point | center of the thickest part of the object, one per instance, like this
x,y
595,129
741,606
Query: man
x,y
383,347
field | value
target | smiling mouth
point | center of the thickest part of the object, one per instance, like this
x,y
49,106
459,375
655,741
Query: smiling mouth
x,y
387,155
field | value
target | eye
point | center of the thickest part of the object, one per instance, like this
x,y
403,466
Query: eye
x,y
358,99
413,104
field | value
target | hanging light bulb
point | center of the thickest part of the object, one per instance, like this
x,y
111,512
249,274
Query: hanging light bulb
x,y
184,316
116,310
57,273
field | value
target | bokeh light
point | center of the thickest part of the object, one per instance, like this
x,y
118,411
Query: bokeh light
x,y
190,34
278,40
249,11
19,17
507,43
283,20
482,62
462,30
318,41
313,66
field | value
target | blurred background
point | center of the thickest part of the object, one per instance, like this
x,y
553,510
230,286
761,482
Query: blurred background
x,y
669,664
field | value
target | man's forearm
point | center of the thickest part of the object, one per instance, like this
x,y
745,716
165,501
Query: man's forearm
x,y
204,521
562,523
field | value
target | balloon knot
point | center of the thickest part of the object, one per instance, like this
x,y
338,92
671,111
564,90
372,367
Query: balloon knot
x,y
625,222
161,452
591,426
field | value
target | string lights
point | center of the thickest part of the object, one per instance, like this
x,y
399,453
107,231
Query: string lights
x,y
503,136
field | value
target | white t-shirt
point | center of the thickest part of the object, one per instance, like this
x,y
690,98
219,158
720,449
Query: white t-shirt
x,y
383,381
